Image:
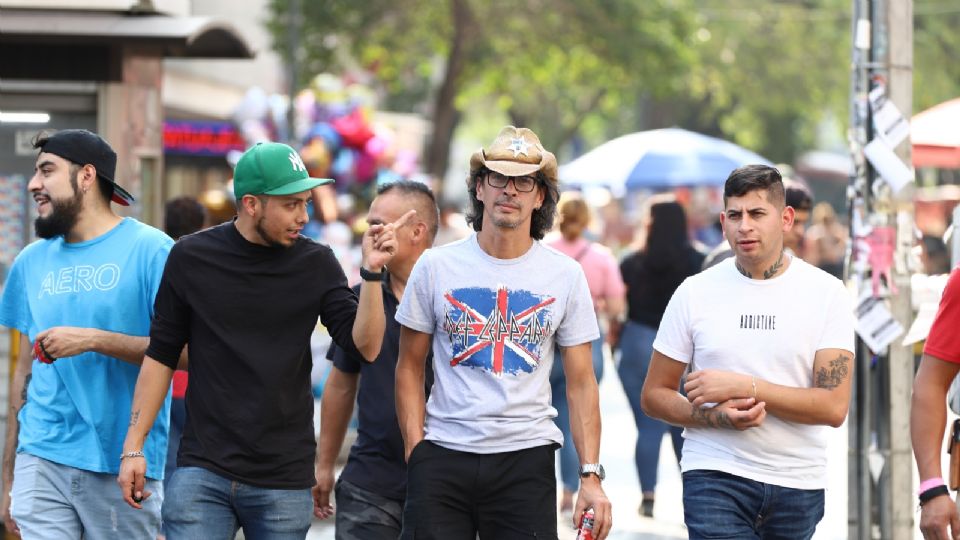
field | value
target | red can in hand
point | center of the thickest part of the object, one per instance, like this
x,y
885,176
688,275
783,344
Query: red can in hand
x,y
585,530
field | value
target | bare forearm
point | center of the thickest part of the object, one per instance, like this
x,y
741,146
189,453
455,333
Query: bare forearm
x,y
928,417
411,404
130,349
370,324
668,405
336,406
585,424
813,406
152,386
15,402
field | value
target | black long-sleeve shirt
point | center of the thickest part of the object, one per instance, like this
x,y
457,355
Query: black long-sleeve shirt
x,y
247,312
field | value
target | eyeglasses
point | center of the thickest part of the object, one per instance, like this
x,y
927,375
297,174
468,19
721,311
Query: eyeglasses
x,y
522,184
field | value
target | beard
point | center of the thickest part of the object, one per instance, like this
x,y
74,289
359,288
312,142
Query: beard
x,y
269,238
62,218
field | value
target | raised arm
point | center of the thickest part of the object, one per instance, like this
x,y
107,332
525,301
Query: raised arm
x,y
660,399
411,399
379,245
825,403
928,417
152,386
336,407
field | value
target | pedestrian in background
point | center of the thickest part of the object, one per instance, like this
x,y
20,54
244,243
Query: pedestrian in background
x,y
492,307
82,299
181,216
928,415
606,290
768,339
371,489
825,242
245,297
652,274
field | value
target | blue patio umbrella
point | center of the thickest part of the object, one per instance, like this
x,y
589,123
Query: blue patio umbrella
x,y
657,159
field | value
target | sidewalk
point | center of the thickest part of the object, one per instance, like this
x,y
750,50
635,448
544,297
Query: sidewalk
x,y
617,448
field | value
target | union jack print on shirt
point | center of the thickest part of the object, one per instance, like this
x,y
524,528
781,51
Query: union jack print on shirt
x,y
497,330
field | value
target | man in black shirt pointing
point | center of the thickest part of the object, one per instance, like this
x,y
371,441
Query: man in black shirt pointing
x,y
245,297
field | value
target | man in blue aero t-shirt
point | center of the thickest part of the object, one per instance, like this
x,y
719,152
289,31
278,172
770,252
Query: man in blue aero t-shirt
x,y
82,298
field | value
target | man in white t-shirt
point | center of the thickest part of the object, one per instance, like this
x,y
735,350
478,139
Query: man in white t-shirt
x,y
493,307
769,341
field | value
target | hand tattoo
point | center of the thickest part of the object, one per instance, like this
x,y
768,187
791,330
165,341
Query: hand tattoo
x,y
830,379
711,417
772,271
134,417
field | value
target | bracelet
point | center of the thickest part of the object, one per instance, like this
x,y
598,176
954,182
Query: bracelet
x,y
930,483
753,382
933,493
136,453
368,275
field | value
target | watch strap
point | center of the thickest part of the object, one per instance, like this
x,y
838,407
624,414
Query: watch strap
x,y
367,275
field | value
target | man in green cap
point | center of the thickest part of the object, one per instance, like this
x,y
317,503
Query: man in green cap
x,y
245,297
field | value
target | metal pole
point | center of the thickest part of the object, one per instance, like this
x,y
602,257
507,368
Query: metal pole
x,y
898,60
295,16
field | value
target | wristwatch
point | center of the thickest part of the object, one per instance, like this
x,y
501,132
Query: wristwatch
x,y
368,275
593,468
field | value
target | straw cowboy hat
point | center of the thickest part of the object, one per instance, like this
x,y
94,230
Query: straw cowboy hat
x,y
515,152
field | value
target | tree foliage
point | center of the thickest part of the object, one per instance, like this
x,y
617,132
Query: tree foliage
x,y
763,74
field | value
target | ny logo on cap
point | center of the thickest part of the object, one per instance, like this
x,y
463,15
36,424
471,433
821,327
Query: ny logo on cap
x,y
296,162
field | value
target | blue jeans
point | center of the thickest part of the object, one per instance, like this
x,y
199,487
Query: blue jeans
x,y
54,501
636,347
569,462
721,505
202,505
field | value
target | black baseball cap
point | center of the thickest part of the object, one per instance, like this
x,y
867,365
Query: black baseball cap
x,y
87,148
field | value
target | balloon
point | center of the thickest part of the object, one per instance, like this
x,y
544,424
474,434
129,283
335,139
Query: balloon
x,y
342,166
375,147
353,129
253,106
327,88
325,132
317,158
365,167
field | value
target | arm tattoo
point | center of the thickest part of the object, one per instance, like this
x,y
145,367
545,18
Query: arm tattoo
x,y
742,270
134,417
26,384
830,379
772,271
711,418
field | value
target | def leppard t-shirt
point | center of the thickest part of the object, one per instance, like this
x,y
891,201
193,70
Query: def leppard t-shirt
x,y
495,323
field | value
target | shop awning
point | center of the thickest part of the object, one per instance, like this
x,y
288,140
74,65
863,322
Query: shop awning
x,y
22,30
935,136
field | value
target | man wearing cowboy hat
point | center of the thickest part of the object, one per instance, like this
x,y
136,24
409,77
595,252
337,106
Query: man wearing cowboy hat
x,y
493,306
82,299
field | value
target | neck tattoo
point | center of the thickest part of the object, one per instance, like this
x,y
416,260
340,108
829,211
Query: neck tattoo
x,y
768,273
772,271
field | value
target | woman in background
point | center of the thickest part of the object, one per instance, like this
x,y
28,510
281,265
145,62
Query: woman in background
x,y
606,289
652,274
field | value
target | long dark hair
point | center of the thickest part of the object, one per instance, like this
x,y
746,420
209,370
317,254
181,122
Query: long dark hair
x,y
542,219
668,243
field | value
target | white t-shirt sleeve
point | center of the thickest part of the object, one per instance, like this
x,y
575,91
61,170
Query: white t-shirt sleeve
x,y
674,337
579,324
838,324
416,308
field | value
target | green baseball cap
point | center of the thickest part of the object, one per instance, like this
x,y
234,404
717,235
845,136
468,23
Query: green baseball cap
x,y
272,169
